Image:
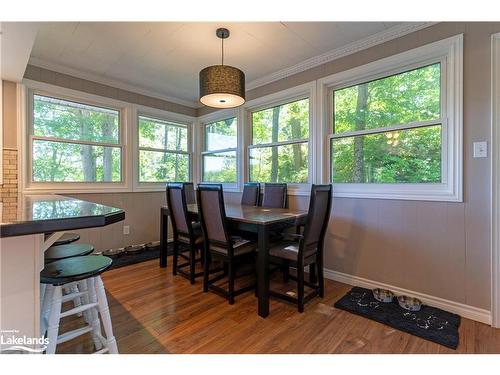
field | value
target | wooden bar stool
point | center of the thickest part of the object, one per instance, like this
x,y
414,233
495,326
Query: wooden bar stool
x,y
86,271
66,238
59,252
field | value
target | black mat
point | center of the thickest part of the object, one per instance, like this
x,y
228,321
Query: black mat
x,y
429,323
149,254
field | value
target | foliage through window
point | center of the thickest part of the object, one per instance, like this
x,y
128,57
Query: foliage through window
x,y
279,149
220,149
163,150
75,142
389,130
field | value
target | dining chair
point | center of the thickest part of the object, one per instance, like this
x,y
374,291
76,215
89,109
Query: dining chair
x,y
301,250
251,194
275,196
186,232
219,245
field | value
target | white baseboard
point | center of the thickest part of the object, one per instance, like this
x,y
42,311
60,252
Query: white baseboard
x,y
466,311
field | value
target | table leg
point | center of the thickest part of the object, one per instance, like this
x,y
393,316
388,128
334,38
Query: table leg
x,y
163,237
263,271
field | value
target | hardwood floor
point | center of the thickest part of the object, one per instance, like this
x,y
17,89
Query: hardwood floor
x,y
154,312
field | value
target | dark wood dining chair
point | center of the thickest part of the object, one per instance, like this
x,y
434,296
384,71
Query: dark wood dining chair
x,y
186,232
275,196
251,194
301,250
220,245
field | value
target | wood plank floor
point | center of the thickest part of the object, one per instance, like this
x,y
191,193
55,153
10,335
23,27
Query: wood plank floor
x,y
154,312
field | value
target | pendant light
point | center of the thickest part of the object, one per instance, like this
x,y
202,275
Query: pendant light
x,y
222,86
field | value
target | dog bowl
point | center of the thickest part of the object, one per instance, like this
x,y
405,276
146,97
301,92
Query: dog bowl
x,y
152,245
135,249
383,295
409,303
113,253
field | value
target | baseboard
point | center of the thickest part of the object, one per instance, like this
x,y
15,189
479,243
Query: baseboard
x,y
466,311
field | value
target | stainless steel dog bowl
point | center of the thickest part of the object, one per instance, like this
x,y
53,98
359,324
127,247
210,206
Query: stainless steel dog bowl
x,y
113,253
409,303
152,245
135,249
383,295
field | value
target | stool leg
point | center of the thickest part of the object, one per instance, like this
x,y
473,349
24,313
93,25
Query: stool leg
x,y
45,310
88,315
76,301
106,318
94,316
55,315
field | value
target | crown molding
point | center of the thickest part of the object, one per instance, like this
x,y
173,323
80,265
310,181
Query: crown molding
x,y
359,45
98,78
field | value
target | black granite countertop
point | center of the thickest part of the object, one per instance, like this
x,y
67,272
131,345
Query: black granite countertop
x,y
31,214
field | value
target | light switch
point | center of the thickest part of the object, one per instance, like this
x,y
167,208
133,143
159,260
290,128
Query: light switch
x,y
480,149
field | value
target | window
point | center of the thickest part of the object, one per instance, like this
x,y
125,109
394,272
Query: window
x,y
389,130
163,150
395,125
74,142
279,148
220,151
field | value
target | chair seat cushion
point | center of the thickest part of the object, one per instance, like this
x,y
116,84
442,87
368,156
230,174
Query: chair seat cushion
x,y
286,250
240,246
197,233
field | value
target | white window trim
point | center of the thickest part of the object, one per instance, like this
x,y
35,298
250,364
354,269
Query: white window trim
x,y
139,110
203,121
450,52
26,92
306,90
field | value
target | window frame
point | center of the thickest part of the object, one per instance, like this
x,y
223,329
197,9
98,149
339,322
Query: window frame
x,y
165,116
304,91
36,88
448,53
208,120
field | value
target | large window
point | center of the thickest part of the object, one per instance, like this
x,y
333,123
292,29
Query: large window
x,y
220,151
163,150
389,130
279,147
74,142
395,125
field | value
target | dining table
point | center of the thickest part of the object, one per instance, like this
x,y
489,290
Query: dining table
x,y
255,219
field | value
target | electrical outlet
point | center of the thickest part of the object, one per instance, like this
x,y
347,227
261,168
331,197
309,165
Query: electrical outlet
x,y
126,229
480,149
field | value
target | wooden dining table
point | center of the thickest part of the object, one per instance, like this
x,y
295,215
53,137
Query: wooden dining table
x,y
259,220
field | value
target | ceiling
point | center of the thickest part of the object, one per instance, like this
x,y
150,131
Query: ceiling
x,y
166,57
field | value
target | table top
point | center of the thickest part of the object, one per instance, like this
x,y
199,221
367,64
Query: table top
x,y
257,215
31,214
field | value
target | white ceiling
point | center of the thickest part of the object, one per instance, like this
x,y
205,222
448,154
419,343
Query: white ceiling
x,y
166,57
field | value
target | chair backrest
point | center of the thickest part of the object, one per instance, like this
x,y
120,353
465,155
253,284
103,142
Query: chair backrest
x,y
251,194
189,189
317,217
176,201
274,196
213,215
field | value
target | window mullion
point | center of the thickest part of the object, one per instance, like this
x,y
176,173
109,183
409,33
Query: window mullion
x,y
387,129
74,141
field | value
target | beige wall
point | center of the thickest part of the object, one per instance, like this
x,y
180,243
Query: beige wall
x,y
441,249
437,248
9,98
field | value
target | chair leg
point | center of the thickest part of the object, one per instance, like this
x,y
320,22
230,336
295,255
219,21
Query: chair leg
x,y
206,270
175,258
300,286
231,273
105,316
321,280
54,317
192,264
312,273
92,317
285,269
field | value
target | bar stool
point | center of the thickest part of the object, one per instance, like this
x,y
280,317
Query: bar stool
x,y
86,271
65,239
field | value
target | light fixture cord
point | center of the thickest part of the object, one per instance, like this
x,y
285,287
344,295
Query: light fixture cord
x,y
222,50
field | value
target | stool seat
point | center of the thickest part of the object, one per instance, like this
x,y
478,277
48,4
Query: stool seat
x,y
67,238
67,251
68,270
